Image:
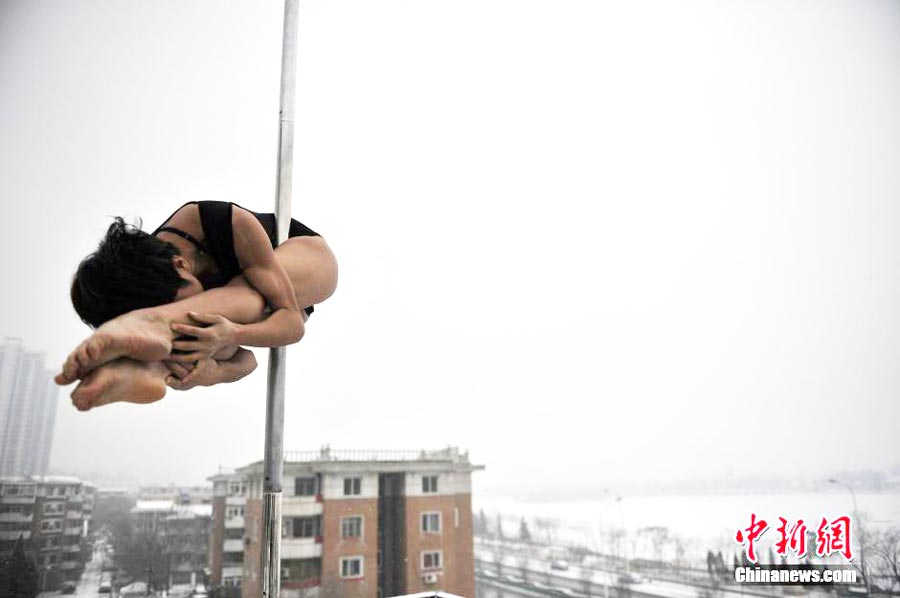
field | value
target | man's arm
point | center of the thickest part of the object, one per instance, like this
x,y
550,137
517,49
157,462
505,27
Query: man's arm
x,y
265,274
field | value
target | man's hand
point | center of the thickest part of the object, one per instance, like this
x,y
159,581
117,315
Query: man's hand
x,y
187,375
218,332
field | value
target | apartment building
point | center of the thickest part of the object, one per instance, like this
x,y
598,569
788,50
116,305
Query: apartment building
x,y
356,524
181,532
226,545
52,514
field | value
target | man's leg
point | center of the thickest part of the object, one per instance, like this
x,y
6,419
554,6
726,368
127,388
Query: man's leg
x,y
122,379
146,334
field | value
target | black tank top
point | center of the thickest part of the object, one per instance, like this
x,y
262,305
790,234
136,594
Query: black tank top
x,y
218,239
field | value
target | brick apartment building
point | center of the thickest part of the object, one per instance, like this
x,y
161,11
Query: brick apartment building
x,y
226,539
52,515
356,524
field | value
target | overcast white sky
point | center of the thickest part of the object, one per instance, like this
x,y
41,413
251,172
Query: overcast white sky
x,y
589,241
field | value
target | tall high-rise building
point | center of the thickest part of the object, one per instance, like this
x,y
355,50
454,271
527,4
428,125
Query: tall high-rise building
x,y
356,524
28,399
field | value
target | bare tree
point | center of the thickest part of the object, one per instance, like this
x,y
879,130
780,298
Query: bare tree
x,y
548,526
586,574
658,537
500,552
885,555
522,563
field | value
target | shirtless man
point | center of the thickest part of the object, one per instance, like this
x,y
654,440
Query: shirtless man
x,y
211,272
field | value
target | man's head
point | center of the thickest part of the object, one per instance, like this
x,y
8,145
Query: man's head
x,y
130,270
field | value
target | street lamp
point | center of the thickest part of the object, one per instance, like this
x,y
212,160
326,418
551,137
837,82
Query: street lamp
x,y
605,509
862,542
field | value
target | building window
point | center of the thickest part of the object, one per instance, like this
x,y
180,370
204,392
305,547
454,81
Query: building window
x,y
431,523
234,512
301,569
18,490
431,560
51,525
305,487
351,527
54,508
237,488
351,567
232,558
232,533
352,486
302,527
429,484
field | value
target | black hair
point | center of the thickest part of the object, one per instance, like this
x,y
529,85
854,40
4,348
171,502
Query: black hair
x,y
130,270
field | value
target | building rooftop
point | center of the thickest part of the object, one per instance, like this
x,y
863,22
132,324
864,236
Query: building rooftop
x,y
47,479
328,459
172,510
191,511
153,506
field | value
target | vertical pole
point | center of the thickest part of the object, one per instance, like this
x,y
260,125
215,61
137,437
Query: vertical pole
x,y
270,566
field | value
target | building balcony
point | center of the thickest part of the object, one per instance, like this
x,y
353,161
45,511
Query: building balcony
x,y
300,507
14,535
233,546
16,518
236,501
300,548
16,500
73,515
71,549
232,571
70,565
73,531
51,532
234,523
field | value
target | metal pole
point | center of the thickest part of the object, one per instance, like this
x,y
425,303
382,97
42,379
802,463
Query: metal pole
x,y
270,566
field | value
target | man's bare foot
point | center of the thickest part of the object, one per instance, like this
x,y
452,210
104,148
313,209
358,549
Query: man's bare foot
x,y
121,380
138,335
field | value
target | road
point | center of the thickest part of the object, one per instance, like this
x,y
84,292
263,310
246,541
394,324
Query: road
x,y
88,584
90,579
526,575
